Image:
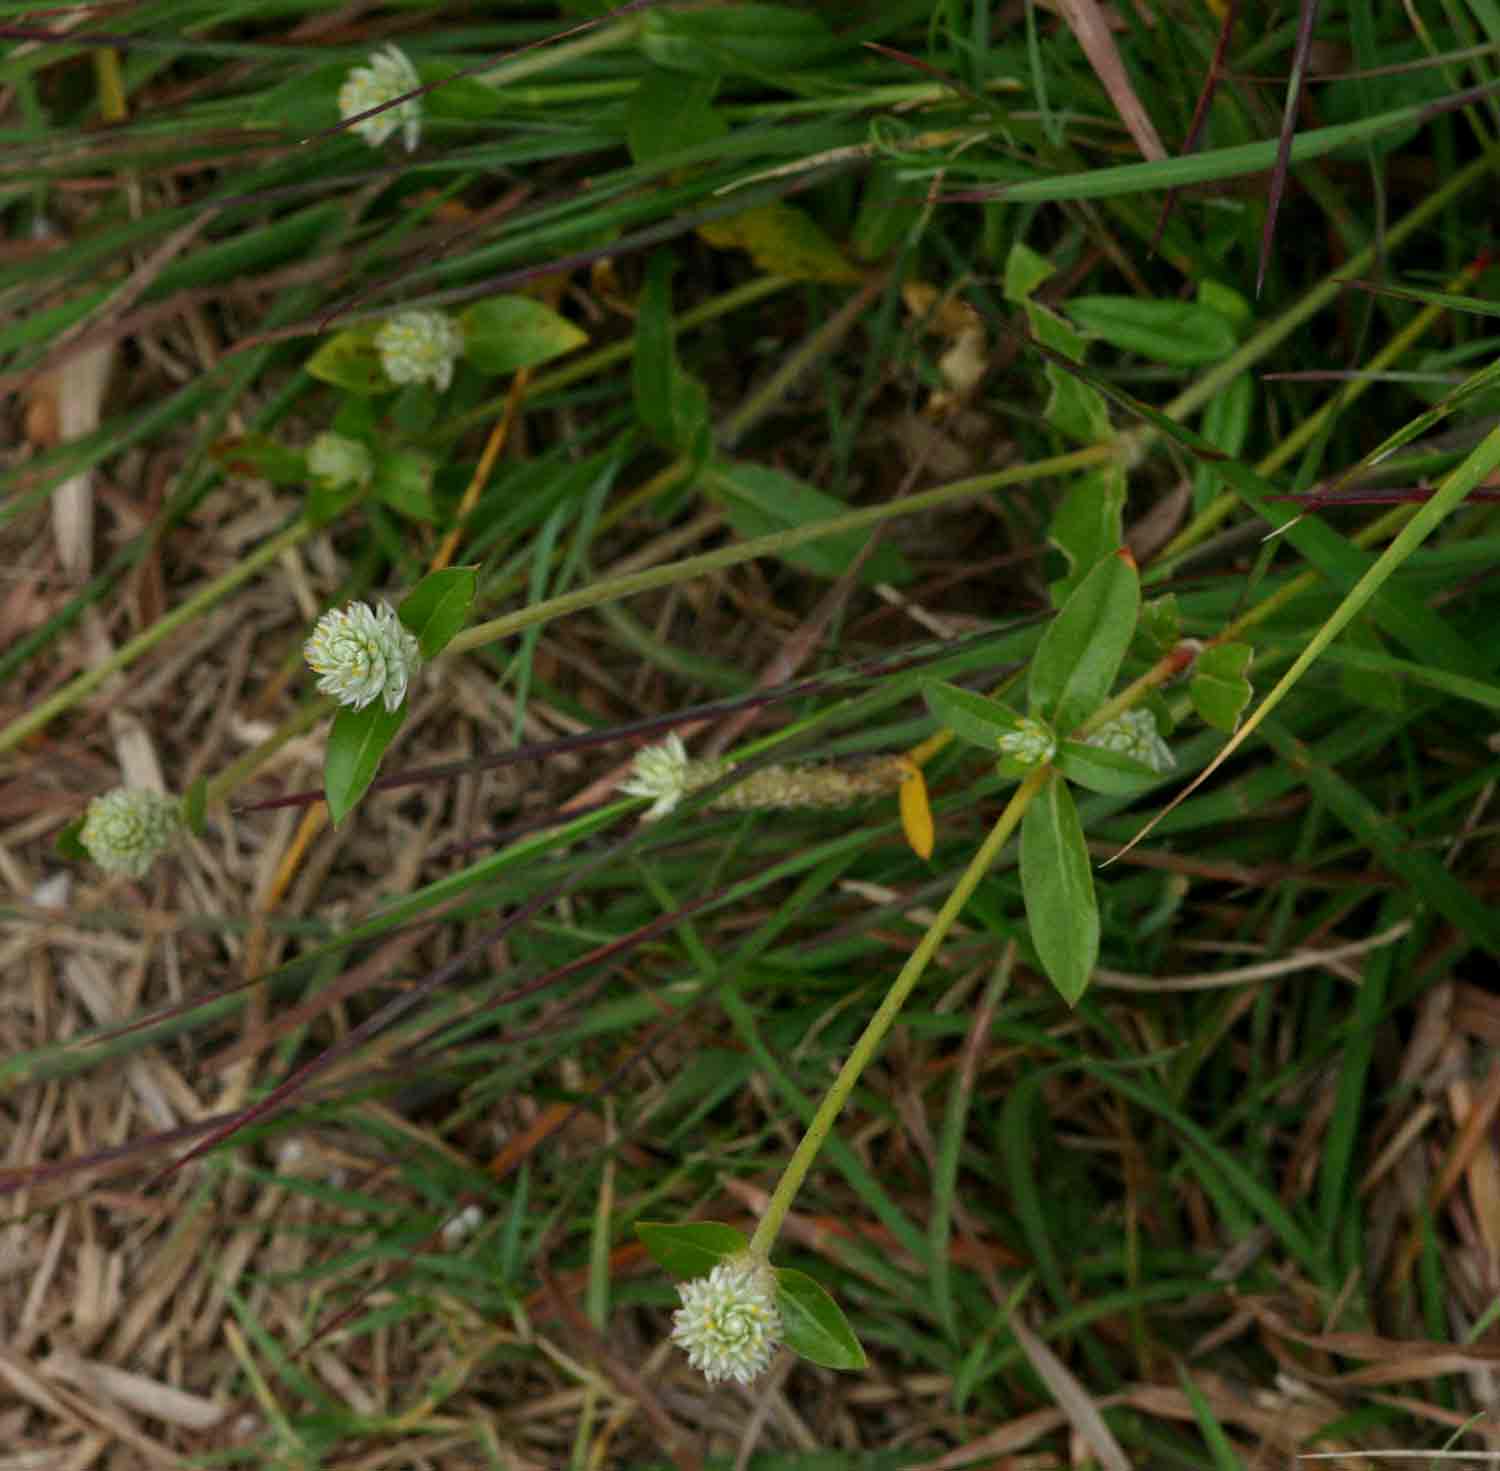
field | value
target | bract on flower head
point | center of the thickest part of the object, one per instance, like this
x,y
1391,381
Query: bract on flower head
x,y
388,76
1029,744
361,655
126,829
420,346
337,461
1135,734
728,1323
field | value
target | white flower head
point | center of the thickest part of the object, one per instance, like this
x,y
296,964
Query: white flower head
x,y
127,829
388,76
661,773
361,654
1030,743
1135,734
336,461
728,1324
420,346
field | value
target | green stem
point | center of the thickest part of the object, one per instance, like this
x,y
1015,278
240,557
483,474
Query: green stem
x,y
72,692
774,545
548,58
874,1033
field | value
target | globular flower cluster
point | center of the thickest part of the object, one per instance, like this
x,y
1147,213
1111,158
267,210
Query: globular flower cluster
x,y
728,1323
1135,734
335,460
362,654
1030,743
667,774
127,829
388,76
420,346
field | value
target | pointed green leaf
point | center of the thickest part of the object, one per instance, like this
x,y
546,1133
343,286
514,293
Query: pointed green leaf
x,y
1058,887
1025,270
974,718
350,360
259,457
438,607
403,481
668,112
813,1324
356,743
1087,526
1079,655
745,37
1218,688
1099,770
510,332
690,1249
672,405
67,844
1181,334
194,802
760,501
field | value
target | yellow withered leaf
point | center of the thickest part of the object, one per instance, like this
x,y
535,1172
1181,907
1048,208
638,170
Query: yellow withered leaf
x,y
783,241
916,812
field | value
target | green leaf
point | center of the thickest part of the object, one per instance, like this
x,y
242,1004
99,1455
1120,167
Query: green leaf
x,y
1159,629
1058,887
415,409
671,405
1087,526
307,103
356,743
438,607
350,360
740,38
67,844
1073,406
1369,684
403,481
510,332
813,1324
889,210
194,802
1400,614
1099,770
326,503
459,96
974,718
1025,270
760,501
668,112
692,1249
1182,334
356,418
1079,655
1229,303
1218,688
258,457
